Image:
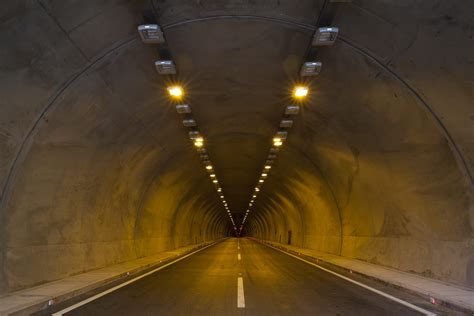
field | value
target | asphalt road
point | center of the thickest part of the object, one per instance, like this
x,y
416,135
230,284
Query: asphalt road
x,y
274,283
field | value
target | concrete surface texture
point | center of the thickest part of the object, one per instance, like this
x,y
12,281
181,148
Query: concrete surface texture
x,y
96,168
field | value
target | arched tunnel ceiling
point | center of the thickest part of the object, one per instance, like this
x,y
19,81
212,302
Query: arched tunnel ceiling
x,y
237,91
94,157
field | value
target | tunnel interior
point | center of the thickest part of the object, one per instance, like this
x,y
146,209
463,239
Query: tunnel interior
x,y
96,167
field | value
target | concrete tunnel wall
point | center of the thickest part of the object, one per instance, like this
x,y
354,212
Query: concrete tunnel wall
x,y
96,168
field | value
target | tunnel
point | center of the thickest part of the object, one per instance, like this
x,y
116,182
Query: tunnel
x,y
100,165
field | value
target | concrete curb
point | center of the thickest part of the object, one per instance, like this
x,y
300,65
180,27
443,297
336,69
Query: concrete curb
x,y
35,302
428,297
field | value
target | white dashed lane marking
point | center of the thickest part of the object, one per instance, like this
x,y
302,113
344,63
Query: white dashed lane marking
x,y
240,293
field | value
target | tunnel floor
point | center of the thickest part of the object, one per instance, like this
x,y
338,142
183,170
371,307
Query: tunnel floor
x,y
272,283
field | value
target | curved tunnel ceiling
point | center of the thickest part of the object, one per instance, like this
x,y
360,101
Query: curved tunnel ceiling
x,y
378,165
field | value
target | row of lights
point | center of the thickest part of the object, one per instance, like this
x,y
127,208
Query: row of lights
x,y
324,36
299,93
152,34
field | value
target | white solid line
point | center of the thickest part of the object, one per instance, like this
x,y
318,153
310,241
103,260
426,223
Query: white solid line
x,y
93,298
390,297
240,293
239,257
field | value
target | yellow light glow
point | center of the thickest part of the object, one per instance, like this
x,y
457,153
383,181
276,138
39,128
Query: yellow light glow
x,y
268,167
277,141
254,196
213,175
209,167
257,189
175,91
264,175
261,180
215,181
300,92
219,190
198,144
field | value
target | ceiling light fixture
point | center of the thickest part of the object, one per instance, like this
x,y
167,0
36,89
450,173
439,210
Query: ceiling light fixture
x,y
189,123
165,67
151,34
282,134
310,68
292,109
325,36
300,92
175,91
286,123
193,135
198,143
183,109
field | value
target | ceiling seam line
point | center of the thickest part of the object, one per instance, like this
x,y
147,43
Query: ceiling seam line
x,y
455,148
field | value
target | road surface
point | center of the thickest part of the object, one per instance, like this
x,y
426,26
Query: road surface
x,y
242,277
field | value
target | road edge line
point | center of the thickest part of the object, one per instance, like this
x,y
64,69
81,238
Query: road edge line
x,y
381,293
141,276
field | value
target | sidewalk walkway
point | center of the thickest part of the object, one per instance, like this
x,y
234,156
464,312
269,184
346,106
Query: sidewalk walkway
x,y
37,298
442,292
